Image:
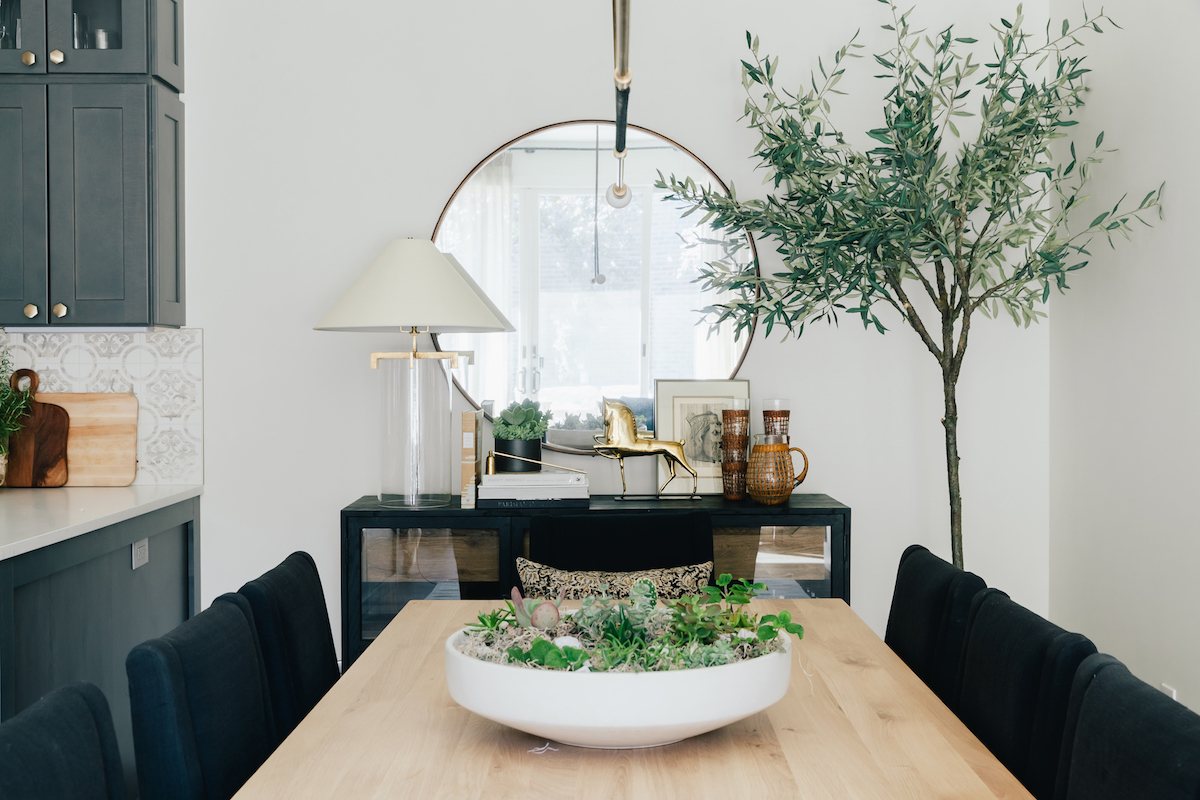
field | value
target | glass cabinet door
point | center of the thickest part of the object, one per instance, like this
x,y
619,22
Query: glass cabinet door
x,y
402,564
95,36
23,37
794,562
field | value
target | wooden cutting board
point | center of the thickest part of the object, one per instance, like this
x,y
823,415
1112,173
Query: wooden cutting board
x,y
37,454
102,442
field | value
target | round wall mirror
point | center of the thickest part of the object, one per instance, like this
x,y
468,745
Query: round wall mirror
x,y
604,300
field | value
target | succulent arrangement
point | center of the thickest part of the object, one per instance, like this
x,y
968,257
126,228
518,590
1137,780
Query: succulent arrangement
x,y
524,420
642,635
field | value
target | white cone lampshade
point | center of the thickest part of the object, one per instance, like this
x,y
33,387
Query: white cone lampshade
x,y
411,284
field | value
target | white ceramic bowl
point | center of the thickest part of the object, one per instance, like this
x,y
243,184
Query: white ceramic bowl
x,y
617,710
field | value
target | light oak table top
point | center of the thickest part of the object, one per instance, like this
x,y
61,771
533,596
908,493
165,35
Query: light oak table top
x,y
863,726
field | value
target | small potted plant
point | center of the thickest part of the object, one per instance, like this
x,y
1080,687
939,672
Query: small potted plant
x,y
518,431
13,405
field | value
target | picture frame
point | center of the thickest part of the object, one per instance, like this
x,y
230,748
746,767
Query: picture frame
x,y
691,410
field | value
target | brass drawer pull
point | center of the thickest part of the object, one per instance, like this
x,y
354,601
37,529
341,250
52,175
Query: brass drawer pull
x,y
31,311
57,56
28,58
60,310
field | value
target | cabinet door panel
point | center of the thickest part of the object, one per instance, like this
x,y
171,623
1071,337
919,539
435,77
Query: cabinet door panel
x,y
99,243
30,16
22,204
96,36
167,273
166,57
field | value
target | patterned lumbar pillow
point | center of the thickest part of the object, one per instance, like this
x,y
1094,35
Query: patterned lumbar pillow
x,y
671,582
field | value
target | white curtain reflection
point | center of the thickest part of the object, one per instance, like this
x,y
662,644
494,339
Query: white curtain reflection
x,y
478,230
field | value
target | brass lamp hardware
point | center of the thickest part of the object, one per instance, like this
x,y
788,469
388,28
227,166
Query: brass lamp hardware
x,y
28,58
31,310
57,56
59,310
414,355
491,463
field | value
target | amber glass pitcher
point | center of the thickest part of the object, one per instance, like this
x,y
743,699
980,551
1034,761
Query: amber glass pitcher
x,y
770,477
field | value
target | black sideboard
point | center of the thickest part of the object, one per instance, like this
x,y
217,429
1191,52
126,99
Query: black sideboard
x,y
391,556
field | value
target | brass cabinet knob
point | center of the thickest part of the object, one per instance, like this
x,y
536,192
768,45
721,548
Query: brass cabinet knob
x,y
31,310
28,58
57,56
60,310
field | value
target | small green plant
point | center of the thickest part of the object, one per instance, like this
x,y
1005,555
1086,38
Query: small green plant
x,y
524,420
493,623
721,609
548,654
14,403
770,625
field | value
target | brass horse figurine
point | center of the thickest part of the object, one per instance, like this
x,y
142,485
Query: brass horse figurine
x,y
621,439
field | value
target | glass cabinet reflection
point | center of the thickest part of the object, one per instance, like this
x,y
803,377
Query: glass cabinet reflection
x,y
96,24
402,564
10,24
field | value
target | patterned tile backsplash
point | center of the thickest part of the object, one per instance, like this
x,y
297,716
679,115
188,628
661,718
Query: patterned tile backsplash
x,y
163,368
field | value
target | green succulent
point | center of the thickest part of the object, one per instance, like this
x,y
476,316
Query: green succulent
x,y
524,420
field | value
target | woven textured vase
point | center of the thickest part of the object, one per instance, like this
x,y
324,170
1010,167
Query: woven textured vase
x,y
770,478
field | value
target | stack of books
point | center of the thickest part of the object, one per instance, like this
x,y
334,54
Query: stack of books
x,y
548,488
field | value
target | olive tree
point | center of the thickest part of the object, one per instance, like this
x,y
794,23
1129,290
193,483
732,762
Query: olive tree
x,y
933,223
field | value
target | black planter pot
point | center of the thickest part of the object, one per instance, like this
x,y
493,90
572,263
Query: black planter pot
x,y
526,448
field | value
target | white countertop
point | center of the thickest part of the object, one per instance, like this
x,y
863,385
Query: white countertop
x,y
34,518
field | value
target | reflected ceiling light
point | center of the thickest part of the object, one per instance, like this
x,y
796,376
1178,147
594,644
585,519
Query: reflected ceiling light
x,y
618,194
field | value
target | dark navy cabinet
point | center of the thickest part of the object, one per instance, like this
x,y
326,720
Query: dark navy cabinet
x,y
93,37
91,164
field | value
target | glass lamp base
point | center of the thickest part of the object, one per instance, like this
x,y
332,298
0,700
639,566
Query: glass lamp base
x,y
413,503
416,446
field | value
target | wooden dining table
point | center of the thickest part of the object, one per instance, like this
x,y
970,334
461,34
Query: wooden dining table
x,y
855,723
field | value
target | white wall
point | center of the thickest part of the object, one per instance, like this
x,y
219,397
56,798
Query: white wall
x,y
317,133
1125,383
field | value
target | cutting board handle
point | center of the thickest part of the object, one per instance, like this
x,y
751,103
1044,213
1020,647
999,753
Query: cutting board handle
x,y
15,380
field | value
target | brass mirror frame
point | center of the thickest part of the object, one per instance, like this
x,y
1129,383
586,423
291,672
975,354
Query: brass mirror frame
x,y
558,448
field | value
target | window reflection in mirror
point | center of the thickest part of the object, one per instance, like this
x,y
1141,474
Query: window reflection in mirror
x,y
604,299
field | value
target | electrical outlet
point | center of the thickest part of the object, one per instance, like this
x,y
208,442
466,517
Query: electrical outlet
x,y
141,553
1170,692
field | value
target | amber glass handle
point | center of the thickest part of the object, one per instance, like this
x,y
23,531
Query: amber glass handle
x,y
800,477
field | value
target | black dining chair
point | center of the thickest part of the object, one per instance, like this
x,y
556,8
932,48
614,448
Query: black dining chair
x,y
202,720
928,619
63,747
621,542
1127,739
1016,683
297,641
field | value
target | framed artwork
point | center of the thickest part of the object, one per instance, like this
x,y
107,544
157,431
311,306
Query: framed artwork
x,y
690,411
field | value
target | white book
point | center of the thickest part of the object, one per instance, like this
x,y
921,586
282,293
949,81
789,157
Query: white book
x,y
547,477
532,492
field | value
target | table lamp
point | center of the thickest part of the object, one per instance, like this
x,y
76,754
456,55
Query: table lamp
x,y
413,288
